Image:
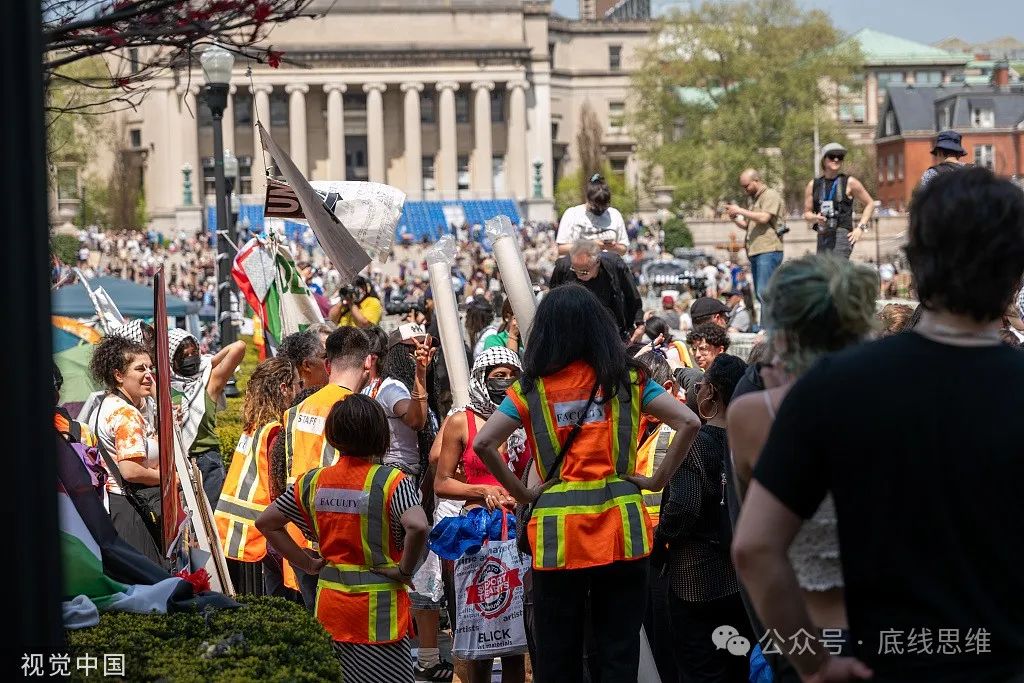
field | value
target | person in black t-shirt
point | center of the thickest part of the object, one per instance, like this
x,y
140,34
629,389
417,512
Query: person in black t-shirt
x,y
927,497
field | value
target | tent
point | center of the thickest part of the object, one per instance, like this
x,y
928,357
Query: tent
x,y
133,300
78,381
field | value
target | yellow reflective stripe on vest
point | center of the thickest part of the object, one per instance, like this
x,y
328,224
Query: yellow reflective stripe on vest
x,y
582,496
307,497
383,625
289,446
373,523
352,578
544,433
625,419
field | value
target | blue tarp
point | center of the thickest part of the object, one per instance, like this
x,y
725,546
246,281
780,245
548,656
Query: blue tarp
x,y
133,300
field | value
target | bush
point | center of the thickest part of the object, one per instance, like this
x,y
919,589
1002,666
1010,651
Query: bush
x,y
677,234
65,247
268,639
569,192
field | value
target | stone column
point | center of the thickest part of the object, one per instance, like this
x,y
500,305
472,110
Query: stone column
x,y
483,172
297,125
515,155
413,141
229,121
190,137
375,131
335,130
447,156
260,159
871,97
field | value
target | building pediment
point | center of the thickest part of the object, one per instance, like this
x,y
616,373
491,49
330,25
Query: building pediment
x,y
407,55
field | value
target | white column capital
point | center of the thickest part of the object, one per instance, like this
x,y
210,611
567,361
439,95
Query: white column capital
x,y
406,87
379,87
485,85
232,89
191,89
335,87
296,87
518,83
446,85
266,88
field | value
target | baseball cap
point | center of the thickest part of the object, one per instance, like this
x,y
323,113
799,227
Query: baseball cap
x,y
406,332
668,299
705,306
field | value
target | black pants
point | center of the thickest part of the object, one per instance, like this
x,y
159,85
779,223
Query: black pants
x,y
130,526
697,657
658,626
835,242
618,593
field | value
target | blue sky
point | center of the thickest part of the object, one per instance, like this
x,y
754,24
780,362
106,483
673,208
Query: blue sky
x,y
925,21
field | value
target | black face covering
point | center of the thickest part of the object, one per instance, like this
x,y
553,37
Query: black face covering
x,y
496,388
189,366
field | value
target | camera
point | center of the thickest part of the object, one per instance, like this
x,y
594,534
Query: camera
x,y
829,212
404,307
348,293
781,228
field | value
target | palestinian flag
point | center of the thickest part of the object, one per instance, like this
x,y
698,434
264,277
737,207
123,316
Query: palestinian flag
x,y
274,288
101,566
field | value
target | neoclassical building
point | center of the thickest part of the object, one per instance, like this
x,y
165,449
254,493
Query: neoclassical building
x,y
455,101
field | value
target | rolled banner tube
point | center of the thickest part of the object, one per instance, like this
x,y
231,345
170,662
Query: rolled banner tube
x,y
514,276
440,258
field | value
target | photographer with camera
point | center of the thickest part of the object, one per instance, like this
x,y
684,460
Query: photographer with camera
x,y
828,204
359,305
764,225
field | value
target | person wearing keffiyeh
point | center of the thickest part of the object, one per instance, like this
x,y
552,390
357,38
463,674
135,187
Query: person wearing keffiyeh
x,y
462,476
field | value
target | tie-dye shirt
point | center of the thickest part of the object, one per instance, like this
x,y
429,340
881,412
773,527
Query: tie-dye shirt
x,y
123,432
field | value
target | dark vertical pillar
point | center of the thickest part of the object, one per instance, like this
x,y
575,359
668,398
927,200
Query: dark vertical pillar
x,y
26,422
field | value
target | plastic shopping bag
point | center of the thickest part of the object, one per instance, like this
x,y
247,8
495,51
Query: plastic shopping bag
x,y
489,601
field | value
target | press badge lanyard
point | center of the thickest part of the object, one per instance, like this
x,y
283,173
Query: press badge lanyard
x,y
831,191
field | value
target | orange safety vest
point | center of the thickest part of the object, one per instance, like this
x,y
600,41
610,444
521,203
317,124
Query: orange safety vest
x,y
348,506
648,459
246,494
306,448
591,517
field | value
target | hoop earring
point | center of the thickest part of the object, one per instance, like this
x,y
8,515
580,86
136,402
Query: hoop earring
x,y
700,412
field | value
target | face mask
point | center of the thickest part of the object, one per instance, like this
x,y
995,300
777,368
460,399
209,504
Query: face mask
x,y
496,388
190,366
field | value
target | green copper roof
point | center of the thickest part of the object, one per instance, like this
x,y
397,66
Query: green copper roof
x,y
882,49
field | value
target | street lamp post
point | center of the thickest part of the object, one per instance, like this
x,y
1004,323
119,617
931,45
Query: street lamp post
x,y
217,64
878,238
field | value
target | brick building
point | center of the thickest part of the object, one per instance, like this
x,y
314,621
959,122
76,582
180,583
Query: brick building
x,y
990,118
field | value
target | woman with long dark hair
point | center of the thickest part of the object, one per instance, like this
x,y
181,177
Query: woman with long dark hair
x,y
579,400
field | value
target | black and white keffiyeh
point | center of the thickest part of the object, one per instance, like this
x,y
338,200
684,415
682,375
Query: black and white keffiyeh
x,y
480,400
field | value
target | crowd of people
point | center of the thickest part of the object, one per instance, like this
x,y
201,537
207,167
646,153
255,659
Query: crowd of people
x,y
739,515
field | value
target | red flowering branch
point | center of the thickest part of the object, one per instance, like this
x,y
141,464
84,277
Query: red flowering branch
x,y
199,579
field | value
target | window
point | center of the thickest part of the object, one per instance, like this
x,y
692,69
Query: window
x,y
67,183
243,109
354,101
851,112
133,60
619,165
429,182
890,123
279,108
899,166
209,183
428,111
881,170
890,173
498,174
551,55
616,115
244,174
927,77
887,77
135,138
461,107
463,173
984,156
982,116
944,117
497,106
615,57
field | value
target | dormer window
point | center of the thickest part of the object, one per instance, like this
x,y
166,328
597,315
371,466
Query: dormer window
x,y
982,116
890,123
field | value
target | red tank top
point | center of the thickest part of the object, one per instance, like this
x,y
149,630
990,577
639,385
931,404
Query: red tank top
x,y
476,472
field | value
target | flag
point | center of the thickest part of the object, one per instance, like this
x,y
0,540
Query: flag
x,y
99,565
273,286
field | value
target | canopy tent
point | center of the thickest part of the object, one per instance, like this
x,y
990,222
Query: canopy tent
x,y
133,300
78,381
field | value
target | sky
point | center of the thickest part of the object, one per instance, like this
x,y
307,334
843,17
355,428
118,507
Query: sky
x,y
925,21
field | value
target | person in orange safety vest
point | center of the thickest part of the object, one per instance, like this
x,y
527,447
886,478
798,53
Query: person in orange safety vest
x,y
371,531
580,400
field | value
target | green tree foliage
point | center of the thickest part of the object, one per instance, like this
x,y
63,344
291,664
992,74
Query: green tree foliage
x,y
730,85
268,639
677,234
65,248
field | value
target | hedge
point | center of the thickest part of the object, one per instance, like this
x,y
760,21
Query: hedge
x,y
268,639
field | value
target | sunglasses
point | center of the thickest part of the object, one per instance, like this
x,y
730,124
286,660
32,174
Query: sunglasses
x,y
581,271
835,157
